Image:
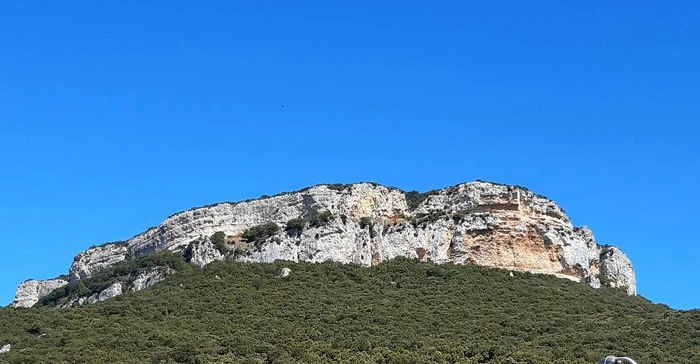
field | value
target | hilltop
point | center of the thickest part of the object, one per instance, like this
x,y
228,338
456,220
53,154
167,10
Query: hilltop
x,y
480,223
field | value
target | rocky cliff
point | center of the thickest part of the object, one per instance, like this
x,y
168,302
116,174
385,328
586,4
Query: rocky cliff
x,y
481,223
31,291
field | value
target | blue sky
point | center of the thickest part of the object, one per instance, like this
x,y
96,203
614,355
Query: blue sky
x,y
113,115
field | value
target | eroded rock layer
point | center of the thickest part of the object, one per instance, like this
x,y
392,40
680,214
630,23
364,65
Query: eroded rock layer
x,y
482,223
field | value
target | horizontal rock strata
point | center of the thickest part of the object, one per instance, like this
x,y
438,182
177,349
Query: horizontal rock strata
x,y
481,223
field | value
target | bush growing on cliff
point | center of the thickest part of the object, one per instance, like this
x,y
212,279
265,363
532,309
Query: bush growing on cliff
x,y
295,226
365,221
319,219
338,186
415,198
258,234
219,241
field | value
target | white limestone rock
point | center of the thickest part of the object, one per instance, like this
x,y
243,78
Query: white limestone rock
x,y
32,291
97,259
149,278
5,349
285,272
201,253
616,270
479,222
112,291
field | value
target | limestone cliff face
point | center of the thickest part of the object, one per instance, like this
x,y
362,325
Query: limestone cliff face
x,y
96,260
31,291
481,223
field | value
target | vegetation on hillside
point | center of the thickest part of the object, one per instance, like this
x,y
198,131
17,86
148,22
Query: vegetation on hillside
x,y
125,272
400,311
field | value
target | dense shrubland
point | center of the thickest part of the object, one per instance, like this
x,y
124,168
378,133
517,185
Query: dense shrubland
x,y
400,311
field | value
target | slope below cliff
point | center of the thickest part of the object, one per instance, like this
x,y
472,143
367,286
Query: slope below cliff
x,y
482,223
399,311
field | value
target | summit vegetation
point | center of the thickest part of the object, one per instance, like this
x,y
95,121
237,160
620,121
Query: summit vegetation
x,y
401,311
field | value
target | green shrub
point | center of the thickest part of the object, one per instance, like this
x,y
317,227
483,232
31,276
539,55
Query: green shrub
x,y
319,219
258,234
400,311
338,186
423,219
365,221
295,225
415,198
219,241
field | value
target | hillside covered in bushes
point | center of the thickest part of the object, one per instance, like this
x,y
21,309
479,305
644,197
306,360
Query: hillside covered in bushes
x,y
401,311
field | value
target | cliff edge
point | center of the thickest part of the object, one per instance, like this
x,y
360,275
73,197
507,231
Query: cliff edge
x,y
480,223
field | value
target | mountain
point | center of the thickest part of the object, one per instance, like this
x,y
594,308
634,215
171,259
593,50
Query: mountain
x,y
481,223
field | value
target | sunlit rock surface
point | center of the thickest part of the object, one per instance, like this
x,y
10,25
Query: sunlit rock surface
x,y
31,291
480,223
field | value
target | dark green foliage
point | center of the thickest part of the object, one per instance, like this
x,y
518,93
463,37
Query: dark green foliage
x,y
73,289
219,241
338,186
189,250
258,234
319,219
424,219
295,226
365,221
401,311
116,243
124,272
415,198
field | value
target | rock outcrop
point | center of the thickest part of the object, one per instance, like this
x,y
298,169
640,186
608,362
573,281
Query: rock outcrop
x,y
480,223
201,253
149,278
97,259
616,270
112,291
285,272
5,349
31,291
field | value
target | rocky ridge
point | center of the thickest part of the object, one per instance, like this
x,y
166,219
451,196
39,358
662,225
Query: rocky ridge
x,y
482,223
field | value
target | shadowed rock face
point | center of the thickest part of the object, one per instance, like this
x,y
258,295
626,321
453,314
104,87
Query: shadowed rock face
x,y
482,223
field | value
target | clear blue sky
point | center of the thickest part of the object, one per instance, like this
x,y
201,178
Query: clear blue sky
x,y
113,115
